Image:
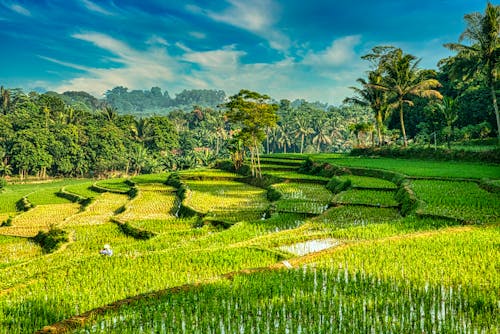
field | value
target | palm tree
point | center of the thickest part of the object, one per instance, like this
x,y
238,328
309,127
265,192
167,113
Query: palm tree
x,y
448,109
141,130
284,138
370,96
403,79
322,137
4,100
482,56
110,113
302,130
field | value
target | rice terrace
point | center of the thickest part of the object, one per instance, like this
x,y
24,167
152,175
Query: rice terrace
x,y
204,251
343,185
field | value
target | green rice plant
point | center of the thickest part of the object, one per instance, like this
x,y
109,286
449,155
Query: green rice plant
x,y
304,192
203,173
149,178
41,217
82,189
414,167
39,193
367,182
347,216
447,256
309,300
16,250
461,200
224,196
118,184
99,211
368,197
154,201
299,177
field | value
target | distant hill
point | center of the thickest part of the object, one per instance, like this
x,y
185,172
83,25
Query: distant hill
x,y
144,102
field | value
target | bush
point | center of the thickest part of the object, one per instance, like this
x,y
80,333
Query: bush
x,y
226,165
3,183
24,204
406,198
174,180
272,194
7,222
51,240
134,232
336,185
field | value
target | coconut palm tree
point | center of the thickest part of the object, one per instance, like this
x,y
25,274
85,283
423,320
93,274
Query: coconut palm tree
x,y
284,138
448,109
322,137
302,130
402,80
4,100
483,55
376,99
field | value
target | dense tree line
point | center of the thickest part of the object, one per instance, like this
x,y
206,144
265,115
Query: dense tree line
x,y
458,102
47,135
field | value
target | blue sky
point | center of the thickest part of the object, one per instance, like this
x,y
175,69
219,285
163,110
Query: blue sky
x,y
286,49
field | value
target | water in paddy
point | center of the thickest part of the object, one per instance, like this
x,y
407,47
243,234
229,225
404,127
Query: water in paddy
x,y
311,246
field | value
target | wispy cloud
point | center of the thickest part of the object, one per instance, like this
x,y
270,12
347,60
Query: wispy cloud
x,y
220,68
137,68
96,8
257,17
340,52
18,9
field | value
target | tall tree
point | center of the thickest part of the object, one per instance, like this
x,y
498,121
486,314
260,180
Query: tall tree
x,y
376,99
448,109
402,79
302,129
252,113
483,54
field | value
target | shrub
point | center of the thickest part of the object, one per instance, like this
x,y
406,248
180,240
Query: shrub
x,y
24,204
406,198
3,183
174,180
336,185
272,194
51,240
7,222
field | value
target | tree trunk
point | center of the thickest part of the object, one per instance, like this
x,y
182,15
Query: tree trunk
x,y
301,143
495,107
403,124
378,124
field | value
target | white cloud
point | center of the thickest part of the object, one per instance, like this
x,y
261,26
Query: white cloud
x,y
340,52
95,8
138,69
197,34
216,60
219,69
19,9
258,17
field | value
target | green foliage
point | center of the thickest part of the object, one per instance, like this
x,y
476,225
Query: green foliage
x,y
406,198
336,185
51,240
134,232
272,194
3,183
7,222
489,156
24,204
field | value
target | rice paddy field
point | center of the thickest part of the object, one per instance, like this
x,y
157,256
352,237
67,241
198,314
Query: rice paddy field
x,y
225,259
